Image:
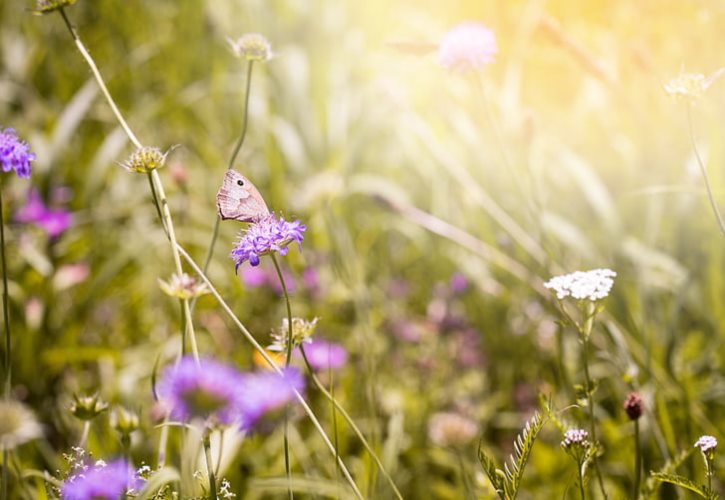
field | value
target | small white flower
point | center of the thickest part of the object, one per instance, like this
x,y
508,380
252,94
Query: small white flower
x,y
590,285
691,86
575,437
706,443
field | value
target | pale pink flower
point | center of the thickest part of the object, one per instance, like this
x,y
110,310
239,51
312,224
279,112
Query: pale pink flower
x,y
467,46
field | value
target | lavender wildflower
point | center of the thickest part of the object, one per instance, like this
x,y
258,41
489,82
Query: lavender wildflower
x,y
468,46
207,389
583,285
458,283
261,392
15,154
706,443
102,482
324,355
268,234
575,438
53,222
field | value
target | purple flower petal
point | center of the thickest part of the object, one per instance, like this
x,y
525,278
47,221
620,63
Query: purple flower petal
x,y
101,482
15,154
268,234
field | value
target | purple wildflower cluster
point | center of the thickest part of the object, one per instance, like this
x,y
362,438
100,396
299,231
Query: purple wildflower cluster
x,y
53,222
267,235
468,46
101,482
212,390
14,153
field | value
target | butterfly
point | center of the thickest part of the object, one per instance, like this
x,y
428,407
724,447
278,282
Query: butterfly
x,y
238,199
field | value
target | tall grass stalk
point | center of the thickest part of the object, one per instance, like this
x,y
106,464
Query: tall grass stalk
x,y
8,354
703,171
637,461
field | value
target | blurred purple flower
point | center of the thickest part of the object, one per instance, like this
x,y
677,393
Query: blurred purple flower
x,y
254,277
203,390
101,482
14,153
459,283
54,222
267,235
311,279
467,46
261,392
324,355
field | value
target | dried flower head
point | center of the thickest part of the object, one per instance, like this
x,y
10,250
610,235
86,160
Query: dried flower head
x,y
468,46
252,47
583,285
87,407
183,287
706,443
633,405
268,234
17,424
451,429
145,159
302,331
15,154
575,438
48,6
124,421
206,390
691,86
102,482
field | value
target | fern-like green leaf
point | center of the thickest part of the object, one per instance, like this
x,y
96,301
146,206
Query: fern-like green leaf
x,y
669,467
523,444
495,475
680,481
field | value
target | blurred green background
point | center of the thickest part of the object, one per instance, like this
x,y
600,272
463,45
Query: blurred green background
x,y
563,154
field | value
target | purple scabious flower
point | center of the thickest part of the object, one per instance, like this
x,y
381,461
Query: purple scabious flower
x,y
458,283
324,355
201,390
14,153
268,234
265,391
101,482
53,222
467,46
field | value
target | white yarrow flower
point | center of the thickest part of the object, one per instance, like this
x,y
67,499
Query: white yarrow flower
x,y
706,443
575,437
590,285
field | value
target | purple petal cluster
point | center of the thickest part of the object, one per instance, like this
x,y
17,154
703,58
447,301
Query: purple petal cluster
x,y
212,390
265,391
201,390
14,154
468,46
102,482
269,234
324,355
53,222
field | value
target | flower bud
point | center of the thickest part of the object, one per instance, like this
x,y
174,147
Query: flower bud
x,y
633,406
48,6
87,408
252,47
145,159
124,421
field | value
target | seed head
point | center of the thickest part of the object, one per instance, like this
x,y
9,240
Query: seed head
x,y
48,6
183,287
17,424
691,86
302,331
145,159
252,47
87,408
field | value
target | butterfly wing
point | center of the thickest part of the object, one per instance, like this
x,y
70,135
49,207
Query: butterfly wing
x,y
238,199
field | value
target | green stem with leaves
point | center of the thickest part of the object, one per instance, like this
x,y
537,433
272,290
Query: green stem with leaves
x,y
703,170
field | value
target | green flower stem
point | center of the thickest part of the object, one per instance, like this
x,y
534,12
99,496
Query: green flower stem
x,y
84,434
6,309
350,422
250,338
581,481
232,159
585,332
703,170
290,340
637,461
209,466
464,476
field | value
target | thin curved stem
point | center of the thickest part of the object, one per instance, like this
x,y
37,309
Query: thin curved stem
x,y
209,466
290,340
273,366
350,422
581,482
232,159
590,404
6,304
637,461
703,170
